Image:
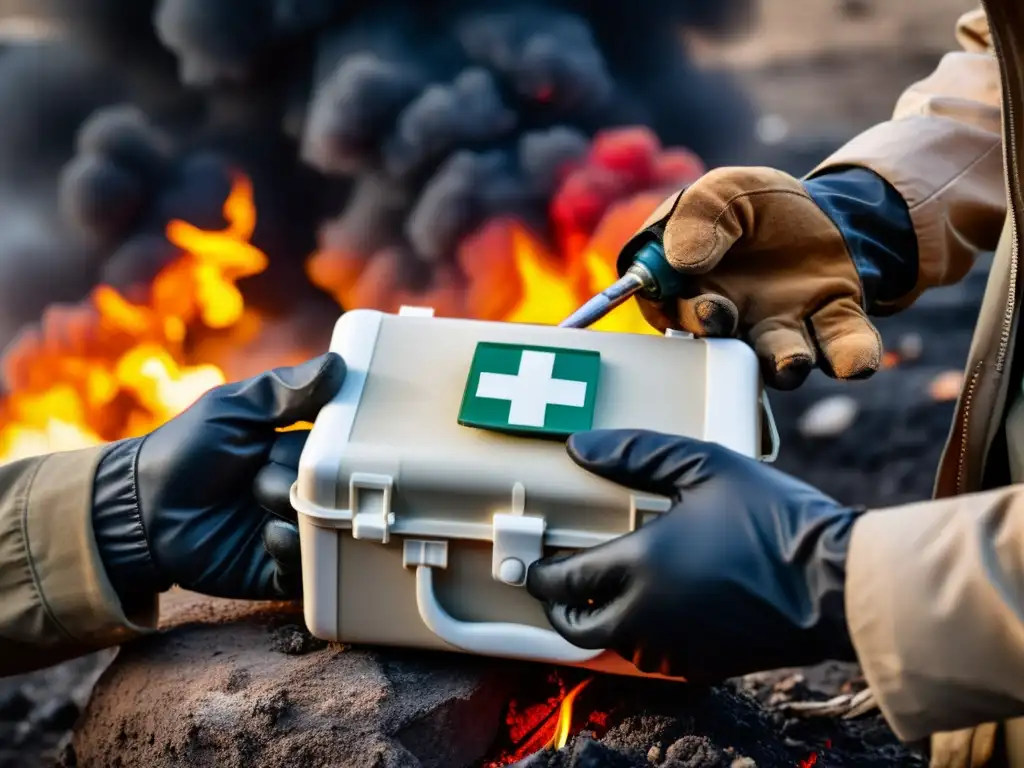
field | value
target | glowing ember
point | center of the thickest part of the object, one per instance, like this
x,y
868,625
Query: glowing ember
x,y
108,368
564,727
544,720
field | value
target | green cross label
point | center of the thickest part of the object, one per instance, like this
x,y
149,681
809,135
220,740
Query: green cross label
x,y
515,388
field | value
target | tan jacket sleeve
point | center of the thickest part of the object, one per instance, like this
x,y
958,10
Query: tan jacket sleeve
x,y
935,605
55,599
942,151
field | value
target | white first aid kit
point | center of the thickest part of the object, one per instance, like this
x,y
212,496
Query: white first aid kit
x,y
438,473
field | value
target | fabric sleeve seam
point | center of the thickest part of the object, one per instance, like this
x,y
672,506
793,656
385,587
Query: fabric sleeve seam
x,y
44,603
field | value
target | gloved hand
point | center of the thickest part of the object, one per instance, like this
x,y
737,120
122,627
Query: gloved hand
x,y
745,572
179,506
769,264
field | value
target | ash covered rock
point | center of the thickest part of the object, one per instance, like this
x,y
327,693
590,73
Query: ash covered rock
x,y
680,727
295,640
38,710
214,689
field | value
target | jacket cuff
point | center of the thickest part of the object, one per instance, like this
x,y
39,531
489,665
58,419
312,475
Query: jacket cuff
x,y
956,205
119,531
932,604
68,570
875,223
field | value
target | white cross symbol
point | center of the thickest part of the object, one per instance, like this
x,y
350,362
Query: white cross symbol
x,y
532,390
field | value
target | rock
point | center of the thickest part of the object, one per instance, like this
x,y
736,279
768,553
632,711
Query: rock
x,y
829,417
910,346
213,689
295,640
589,753
57,714
693,752
14,705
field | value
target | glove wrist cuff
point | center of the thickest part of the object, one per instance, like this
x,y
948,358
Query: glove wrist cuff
x,y
875,224
118,529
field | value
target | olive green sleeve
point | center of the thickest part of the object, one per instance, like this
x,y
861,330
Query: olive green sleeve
x,y
55,599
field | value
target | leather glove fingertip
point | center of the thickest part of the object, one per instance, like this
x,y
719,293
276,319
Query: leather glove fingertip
x,y
785,354
709,315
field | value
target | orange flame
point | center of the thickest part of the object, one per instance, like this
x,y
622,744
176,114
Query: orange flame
x,y
510,274
109,368
563,729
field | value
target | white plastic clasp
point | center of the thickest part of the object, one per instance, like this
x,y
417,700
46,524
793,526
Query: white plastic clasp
x,y
369,497
672,333
417,552
407,311
518,541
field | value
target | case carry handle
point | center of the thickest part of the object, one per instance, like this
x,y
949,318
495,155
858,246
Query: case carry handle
x,y
486,638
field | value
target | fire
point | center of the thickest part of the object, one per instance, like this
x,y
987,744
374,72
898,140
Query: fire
x,y
109,368
544,720
564,727
548,294
116,366
504,271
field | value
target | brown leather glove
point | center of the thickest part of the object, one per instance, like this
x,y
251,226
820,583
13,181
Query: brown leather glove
x,y
768,265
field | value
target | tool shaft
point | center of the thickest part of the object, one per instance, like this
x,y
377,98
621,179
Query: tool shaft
x,y
600,305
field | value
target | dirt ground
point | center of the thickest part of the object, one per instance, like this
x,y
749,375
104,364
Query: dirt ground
x,y
821,71
838,64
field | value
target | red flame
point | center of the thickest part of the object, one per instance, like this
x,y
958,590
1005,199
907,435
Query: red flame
x,y
546,723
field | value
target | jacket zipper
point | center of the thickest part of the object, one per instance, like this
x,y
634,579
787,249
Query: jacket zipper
x,y
1013,190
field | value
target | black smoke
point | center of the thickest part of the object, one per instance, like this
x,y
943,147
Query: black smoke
x,y
384,126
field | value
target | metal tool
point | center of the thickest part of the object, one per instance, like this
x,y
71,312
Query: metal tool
x,y
650,276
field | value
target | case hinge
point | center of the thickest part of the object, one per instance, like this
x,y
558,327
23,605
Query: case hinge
x,y
369,496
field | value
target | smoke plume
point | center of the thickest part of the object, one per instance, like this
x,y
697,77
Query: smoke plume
x,y
382,134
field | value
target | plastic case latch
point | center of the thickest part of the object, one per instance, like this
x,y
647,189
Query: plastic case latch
x,y
417,552
518,541
370,499
409,311
645,509
672,333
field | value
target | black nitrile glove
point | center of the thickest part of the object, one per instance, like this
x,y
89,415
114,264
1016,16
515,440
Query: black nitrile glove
x,y
180,505
745,572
